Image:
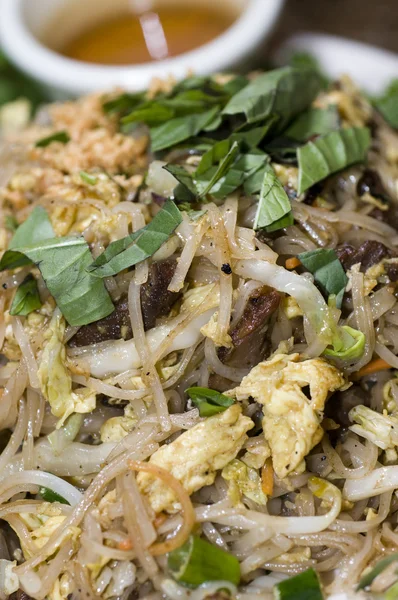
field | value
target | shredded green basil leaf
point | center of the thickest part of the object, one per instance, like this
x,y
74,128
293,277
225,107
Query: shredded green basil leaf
x,y
205,183
123,103
11,224
274,203
27,298
209,402
387,105
87,178
327,270
367,579
283,92
305,586
331,153
180,129
35,229
197,561
63,261
138,246
59,136
185,180
50,496
314,121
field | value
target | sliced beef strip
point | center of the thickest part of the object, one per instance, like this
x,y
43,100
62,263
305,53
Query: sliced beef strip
x,y
248,335
156,301
368,254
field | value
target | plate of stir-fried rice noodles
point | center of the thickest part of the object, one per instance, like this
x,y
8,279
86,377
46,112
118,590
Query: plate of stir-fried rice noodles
x,y
199,343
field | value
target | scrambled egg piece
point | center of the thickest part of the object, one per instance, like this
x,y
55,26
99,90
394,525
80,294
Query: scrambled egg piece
x,y
370,278
55,379
62,588
291,421
212,331
41,526
243,480
195,456
291,307
382,430
257,452
116,428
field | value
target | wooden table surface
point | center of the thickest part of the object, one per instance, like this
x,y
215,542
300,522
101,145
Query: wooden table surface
x,y
371,21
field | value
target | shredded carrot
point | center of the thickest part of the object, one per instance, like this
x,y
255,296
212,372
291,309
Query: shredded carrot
x,y
125,545
379,364
267,478
292,263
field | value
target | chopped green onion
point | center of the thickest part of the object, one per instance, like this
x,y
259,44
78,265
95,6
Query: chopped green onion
x,y
50,496
305,586
350,346
87,178
198,561
60,136
367,579
209,402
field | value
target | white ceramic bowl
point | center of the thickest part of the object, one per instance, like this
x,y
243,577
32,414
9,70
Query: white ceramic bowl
x,y
371,68
22,23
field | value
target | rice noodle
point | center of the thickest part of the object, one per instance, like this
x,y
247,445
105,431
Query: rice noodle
x,y
27,352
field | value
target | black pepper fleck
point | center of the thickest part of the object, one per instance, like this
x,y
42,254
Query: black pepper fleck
x,y
226,268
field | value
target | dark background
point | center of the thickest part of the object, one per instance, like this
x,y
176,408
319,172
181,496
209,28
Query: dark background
x,y
371,21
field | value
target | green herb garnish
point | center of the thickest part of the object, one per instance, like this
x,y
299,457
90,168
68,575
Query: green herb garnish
x,y
27,298
327,270
87,178
350,345
11,224
387,105
205,183
198,561
50,496
367,579
273,204
138,246
178,130
209,402
314,121
331,153
59,136
305,586
63,261
282,92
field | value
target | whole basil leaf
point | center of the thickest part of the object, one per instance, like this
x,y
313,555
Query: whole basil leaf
x,y
327,270
273,204
283,92
123,102
214,155
331,153
209,402
60,136
27,298
314,121
63,261
150,113
138,246
179,129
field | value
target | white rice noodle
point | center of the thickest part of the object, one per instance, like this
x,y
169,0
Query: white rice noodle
x,y
109,390
360,220
263,554
377,482
249,519
383,352
2,320
75,460
16,438
138,530
368,464
363,526
49,572
178,333
362,317
150,374
191,242
147,530
27,351
381,301
42,479
215,364
141,450
141,269
306,294
351,567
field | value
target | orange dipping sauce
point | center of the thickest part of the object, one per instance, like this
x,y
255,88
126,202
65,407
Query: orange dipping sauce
x,y
150,36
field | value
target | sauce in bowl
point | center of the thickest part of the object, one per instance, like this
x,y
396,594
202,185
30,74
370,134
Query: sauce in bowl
x,y
160,33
